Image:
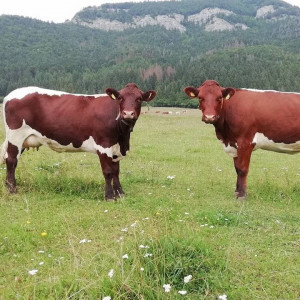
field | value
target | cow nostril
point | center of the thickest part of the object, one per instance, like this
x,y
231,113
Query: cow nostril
x,y
128,114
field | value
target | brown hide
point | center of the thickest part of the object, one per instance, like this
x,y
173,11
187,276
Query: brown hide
x,y
239,114
65,122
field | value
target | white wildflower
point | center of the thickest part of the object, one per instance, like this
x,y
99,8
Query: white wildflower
x,y
32,272
125,256
142,269
222,297
41,263
171,177
82,241
120,239
41,251
111,273
182,292
148,255
124,229
187,279
106,211
167,288
106,298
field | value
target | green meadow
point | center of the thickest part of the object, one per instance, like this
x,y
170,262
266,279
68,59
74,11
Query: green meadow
x,y
60,240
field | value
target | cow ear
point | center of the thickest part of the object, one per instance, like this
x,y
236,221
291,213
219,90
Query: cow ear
x,y
191,91
148,96
113,94
228,93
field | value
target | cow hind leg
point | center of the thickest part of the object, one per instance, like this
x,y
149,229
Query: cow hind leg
x,y
11,164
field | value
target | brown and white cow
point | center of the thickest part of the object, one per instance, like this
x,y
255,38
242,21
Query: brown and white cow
x,y
246,120
99,124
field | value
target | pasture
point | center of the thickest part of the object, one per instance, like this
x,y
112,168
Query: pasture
x,y
60,240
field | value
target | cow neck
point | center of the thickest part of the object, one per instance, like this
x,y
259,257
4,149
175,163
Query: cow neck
x,y
124,130
221,124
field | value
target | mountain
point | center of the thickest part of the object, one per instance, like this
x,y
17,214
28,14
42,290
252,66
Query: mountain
x,y
158,45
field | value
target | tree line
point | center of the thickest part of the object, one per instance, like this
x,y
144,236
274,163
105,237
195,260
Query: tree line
x,y
82,60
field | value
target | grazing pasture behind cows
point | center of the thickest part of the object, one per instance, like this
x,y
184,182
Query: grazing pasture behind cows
x,y
246,120
99,124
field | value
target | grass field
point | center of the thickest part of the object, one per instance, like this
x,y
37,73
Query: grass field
x,y
162,231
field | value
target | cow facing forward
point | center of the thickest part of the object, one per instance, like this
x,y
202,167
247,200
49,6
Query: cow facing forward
x,y
246,120
99,124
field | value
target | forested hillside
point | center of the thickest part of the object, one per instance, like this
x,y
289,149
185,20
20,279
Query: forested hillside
x,y
257,47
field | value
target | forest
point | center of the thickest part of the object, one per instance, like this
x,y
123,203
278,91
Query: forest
x,y
78,59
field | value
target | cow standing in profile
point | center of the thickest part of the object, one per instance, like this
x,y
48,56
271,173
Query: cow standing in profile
x,y
99,124
246,120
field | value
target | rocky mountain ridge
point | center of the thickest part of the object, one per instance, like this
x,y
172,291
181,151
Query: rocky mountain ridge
x,y
212,18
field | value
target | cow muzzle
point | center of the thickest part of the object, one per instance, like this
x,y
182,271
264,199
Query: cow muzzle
x,y
129,115
210,119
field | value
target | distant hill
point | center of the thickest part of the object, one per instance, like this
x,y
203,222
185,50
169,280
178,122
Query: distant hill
x,y
159,45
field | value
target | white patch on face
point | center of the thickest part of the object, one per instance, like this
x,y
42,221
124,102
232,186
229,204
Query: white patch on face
x,y
231,151
262,142
22,92
27,137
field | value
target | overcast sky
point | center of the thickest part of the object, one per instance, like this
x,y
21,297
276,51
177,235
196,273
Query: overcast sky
x,y
59,10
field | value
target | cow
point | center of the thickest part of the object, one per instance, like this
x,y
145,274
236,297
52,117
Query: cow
x,y
64,122
247,119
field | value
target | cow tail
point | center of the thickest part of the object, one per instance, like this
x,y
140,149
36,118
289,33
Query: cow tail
x,y
3,152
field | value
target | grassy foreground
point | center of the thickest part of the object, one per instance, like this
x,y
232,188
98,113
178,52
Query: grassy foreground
x,y
77,246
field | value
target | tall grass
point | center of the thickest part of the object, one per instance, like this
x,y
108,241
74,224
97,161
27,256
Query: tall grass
x,y
169,228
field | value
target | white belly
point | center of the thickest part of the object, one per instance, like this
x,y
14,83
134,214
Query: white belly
x,y
262,142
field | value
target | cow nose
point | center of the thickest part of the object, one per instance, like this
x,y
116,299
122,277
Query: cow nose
x,y
128,114
209,118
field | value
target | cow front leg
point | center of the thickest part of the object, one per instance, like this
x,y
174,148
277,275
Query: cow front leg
x,y
110,172
241,164
116,181
11,164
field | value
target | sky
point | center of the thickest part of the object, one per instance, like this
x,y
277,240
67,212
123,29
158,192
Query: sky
x,y
59,11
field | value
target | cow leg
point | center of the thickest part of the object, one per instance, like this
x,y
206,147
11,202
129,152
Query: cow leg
x,y
11,164
241,163
116,181
110,172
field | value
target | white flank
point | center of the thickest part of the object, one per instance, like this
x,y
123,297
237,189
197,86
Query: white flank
x,y
27,137
262,142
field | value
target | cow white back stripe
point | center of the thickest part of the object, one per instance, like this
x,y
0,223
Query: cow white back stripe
x,y
272,91
22,92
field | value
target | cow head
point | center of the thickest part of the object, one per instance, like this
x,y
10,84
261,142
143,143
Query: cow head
x,y
130,100
211,99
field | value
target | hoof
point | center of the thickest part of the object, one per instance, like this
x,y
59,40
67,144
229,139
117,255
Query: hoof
x,y
110,200
240,196
11,188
